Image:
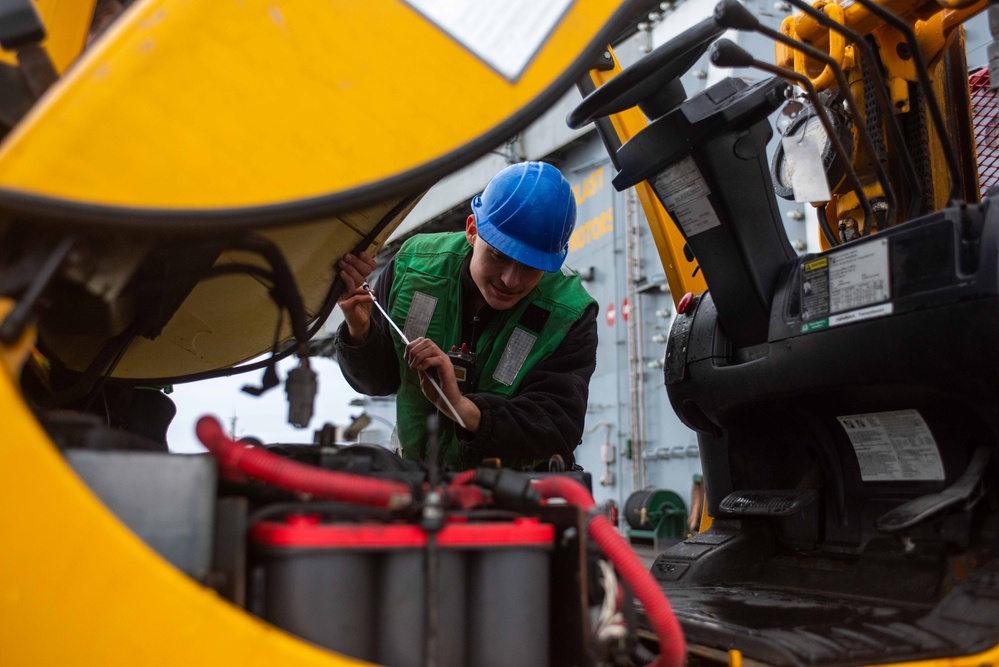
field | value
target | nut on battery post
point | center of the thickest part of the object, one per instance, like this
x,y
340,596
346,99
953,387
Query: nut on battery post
x,y
463,361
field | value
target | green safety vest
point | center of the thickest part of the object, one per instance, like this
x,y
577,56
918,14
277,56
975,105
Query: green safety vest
x,y
426,295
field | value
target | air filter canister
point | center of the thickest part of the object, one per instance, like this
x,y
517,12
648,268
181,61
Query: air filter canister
x,y
358,588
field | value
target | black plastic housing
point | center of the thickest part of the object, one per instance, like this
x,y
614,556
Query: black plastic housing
x,y
795,566
710,153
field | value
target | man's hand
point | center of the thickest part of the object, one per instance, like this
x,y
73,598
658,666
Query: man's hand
x,y
423,356
355,302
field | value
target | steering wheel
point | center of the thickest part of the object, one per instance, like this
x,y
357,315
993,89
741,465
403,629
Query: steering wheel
x,y
646,77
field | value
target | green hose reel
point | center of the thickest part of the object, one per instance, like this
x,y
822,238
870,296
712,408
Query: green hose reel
x,y
656,516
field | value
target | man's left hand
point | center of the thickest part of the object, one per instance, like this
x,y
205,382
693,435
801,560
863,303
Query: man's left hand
x,y
423,356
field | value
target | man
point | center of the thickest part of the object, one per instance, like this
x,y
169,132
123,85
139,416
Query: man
x,y
521,330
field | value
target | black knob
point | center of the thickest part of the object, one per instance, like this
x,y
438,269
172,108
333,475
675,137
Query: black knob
x,y
726,53
732,15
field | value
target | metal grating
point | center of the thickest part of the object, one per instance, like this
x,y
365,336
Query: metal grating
x,y
985,113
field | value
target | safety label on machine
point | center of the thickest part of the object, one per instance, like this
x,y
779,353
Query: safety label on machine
x,y
684,192
851,280
858,276
505,34
893,446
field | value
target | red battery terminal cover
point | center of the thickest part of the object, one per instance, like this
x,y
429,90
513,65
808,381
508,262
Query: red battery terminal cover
x,y
305,530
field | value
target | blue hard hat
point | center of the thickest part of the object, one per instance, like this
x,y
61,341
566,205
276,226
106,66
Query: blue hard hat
x,y
527,212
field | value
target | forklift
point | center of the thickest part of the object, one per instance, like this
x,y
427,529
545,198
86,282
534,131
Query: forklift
x,y
844,401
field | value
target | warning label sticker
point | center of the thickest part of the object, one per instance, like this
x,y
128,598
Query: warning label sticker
x,y
681,182
858,276
684,193
893,446
815,288
696,216
851,279
505,34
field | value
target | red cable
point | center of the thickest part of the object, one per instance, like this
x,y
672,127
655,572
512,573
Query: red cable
x,y
563,487
672,646
463,478
460,493
298,477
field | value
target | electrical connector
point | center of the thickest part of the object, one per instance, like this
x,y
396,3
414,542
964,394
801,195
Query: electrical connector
x,y
301,387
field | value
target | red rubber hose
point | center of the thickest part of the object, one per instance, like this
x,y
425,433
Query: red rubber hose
x,y
563,487
672,646
263,465
463,478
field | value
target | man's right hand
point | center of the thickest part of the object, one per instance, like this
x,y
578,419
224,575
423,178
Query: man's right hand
x,y
355,302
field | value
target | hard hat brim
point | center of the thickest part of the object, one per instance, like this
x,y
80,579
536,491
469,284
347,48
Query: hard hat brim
x,y
521,252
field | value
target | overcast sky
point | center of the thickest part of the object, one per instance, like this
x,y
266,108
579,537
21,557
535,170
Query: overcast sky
x,y
265,417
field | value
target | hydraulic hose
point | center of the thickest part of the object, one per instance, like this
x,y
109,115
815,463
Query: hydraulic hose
x,y
672,647
460,492
260,464
463,478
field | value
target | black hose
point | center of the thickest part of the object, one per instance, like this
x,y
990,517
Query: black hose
x,y
111,350
824,227
858,121
17,319
285,286
880,88
332,296
924,80
728,54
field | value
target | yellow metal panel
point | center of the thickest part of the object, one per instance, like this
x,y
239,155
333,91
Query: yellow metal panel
x,y
230,103
12,357
837,51
77,588
988,657
669,241
225,321
934,33
860,20
706,519
66,24
889,40
783,54
234,104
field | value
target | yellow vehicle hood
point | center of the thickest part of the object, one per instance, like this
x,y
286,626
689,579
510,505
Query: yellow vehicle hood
x,y
314,124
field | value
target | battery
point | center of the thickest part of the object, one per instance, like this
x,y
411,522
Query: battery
x,y
358,588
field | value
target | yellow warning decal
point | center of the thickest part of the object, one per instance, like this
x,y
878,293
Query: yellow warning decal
x,y
817,264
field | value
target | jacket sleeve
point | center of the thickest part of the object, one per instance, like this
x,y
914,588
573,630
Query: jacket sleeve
x,y
546,417
371,366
